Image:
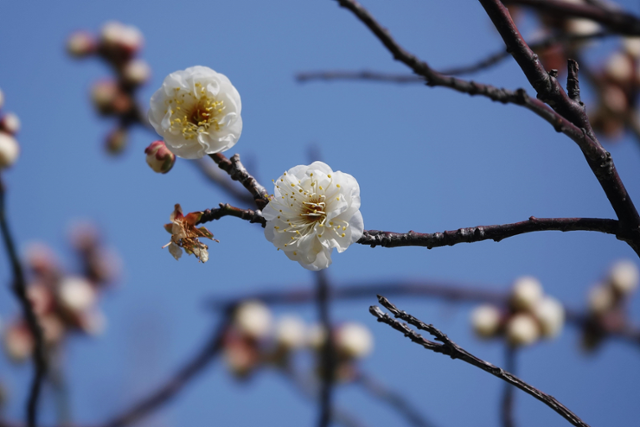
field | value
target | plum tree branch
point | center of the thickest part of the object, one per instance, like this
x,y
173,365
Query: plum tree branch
x,y
19,288
447,347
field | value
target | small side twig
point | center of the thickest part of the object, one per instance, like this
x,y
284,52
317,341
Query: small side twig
x,y
447,347
238,172
19,288
226,209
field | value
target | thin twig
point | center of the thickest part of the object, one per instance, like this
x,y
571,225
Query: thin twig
x,y
328,354
616,20
508,394
226,209
480,65
389,239
178,381
395,400
19,288
238,172
451,349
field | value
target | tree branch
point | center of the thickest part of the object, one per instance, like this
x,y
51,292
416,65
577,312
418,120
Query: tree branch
x,y
237,172
616,20
508,393
19,288
226,209
550,91
389,239
451,349
178,381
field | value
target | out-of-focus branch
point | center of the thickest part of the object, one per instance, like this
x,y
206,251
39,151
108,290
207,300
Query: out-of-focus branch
x,y
508,394
222,181
617,21
480,65
226,209
389,239
447,347
178,381
19,288
239,173
328,353
393,399
550,91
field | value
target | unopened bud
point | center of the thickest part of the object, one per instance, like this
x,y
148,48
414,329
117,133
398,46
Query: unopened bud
x,y
41,298
624,277
522,330
10,123
18,342
550,315
116,141
93,322
1,99
159,158
125,38
52,329
619,67
290,332
136,72
614,99
582,27
353,340
253,319
103,95
76,294
9,150
631,45
526,293
601,299
81,44
485,321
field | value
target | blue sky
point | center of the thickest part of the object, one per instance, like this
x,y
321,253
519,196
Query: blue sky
x,y
427,159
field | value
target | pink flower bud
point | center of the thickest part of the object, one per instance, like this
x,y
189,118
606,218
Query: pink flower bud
x,y
81,44
159,158
18,342
126,40
9,150
10,123
103,95
136,72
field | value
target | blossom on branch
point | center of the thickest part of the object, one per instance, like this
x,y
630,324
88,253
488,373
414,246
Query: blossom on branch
x,y
312,211
184,235
197,112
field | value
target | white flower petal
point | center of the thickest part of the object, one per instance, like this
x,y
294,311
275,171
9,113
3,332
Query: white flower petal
x,y
175,250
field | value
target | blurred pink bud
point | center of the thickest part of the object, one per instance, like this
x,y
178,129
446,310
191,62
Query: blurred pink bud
x,y
116,141
9,150
93,322
103,95
18,342
52,329
159,158
76,295
136,72
619,67
41,298
10,123
81,44
125,38
1,99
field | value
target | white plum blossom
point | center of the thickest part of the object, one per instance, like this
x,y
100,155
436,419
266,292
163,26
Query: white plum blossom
x,y
486,320
522,330
354,340
550,315
312,211
197,112
526,293
624,276
253,319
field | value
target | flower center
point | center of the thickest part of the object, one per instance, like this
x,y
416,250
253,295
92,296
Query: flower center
x,y
193,115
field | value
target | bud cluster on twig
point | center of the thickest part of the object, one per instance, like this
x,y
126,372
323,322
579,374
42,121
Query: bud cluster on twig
x,y
63,303
9,126
529,316
255,340
117,45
